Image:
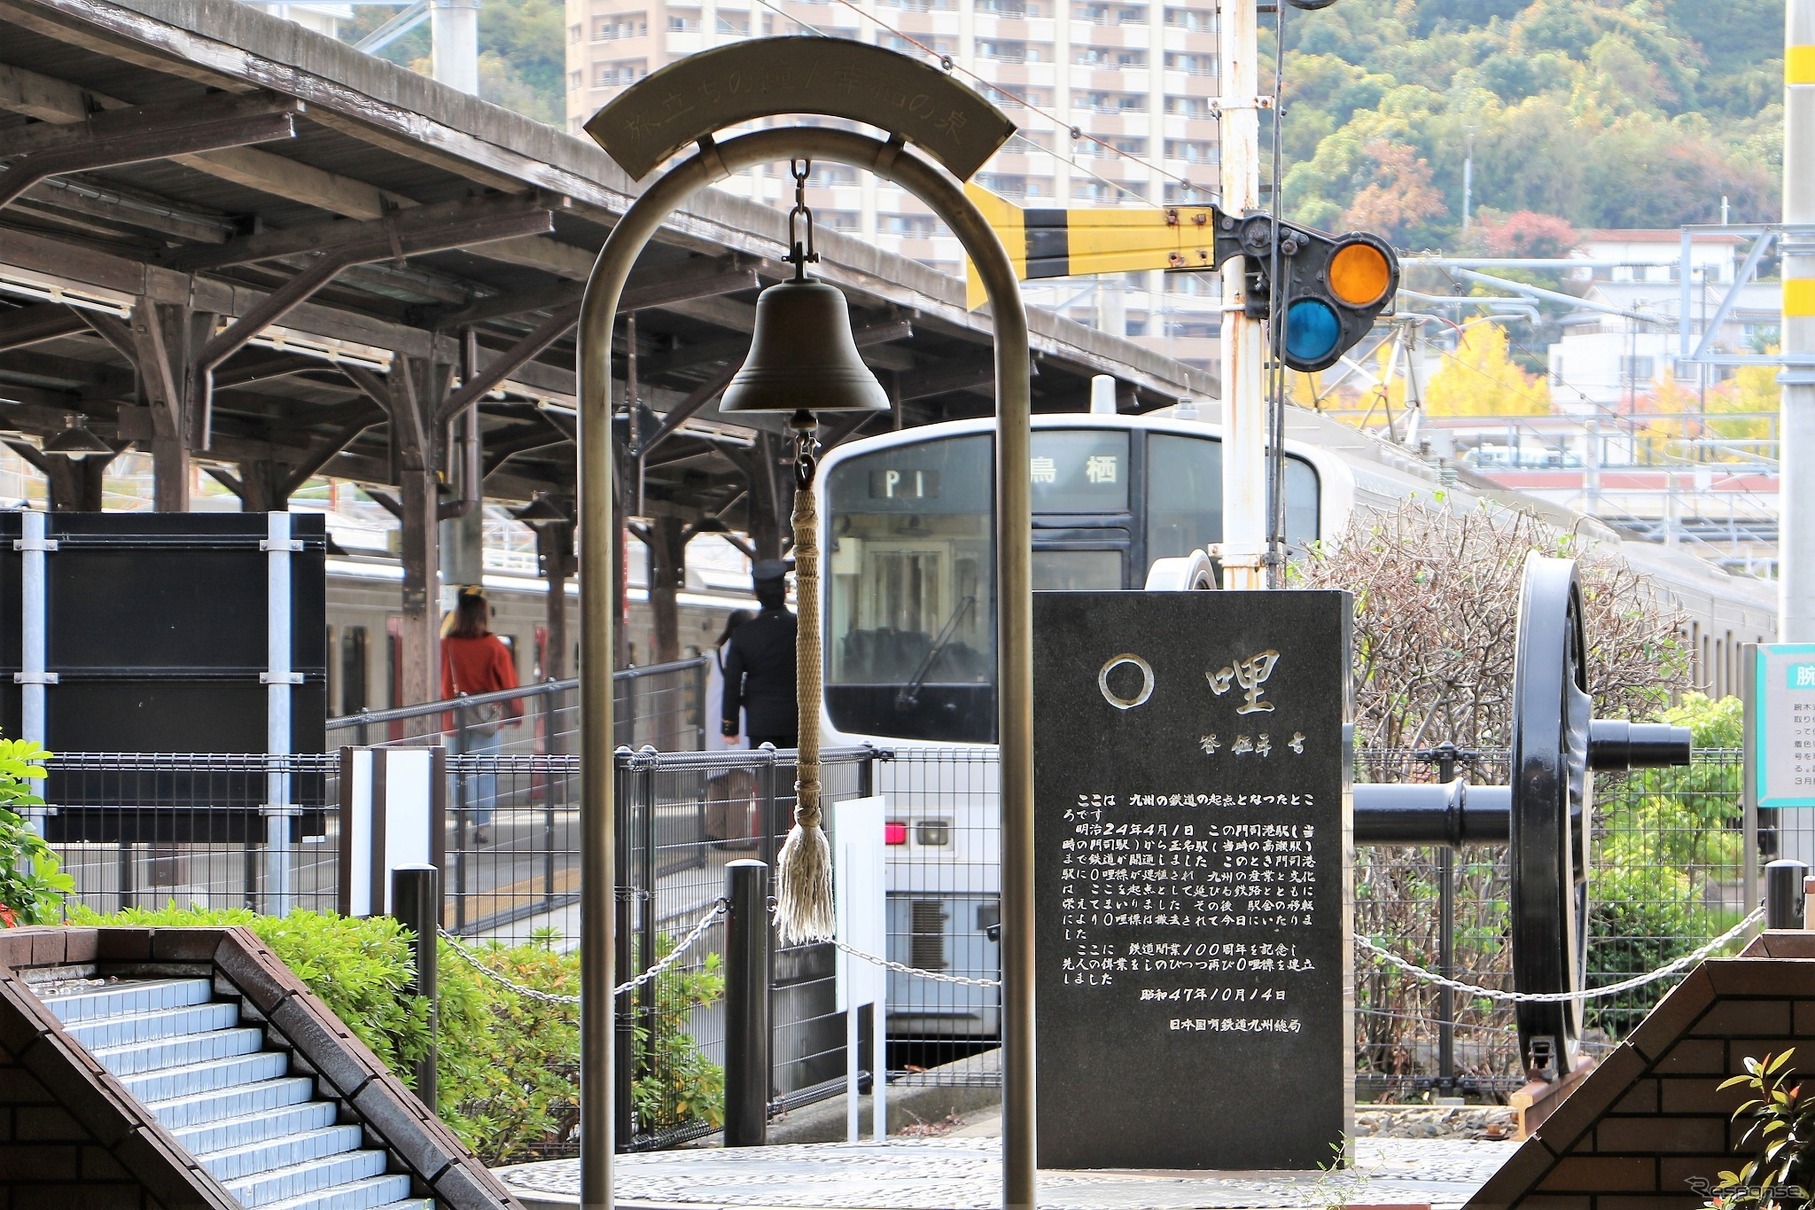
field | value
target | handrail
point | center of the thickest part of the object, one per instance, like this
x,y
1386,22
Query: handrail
x,y
539,689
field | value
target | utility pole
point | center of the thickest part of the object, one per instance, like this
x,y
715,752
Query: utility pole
x,y
1245,426
454,39
1796,550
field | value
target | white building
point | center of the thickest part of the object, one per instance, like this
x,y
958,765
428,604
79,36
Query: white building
x,y
1605,360
1114,101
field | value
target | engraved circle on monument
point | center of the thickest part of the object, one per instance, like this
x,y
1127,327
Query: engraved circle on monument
x,y
1194,976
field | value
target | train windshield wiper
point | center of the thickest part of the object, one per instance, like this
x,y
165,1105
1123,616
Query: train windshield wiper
x,y
908,696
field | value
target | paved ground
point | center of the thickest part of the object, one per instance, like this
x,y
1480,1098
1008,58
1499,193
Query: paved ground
x,y
961,1169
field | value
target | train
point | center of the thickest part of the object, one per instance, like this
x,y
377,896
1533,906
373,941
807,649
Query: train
x,y
1118,500
365,647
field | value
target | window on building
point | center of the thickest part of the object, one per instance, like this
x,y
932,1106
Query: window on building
x,y
1192,20
839,220
1193,151
1191,64
1189,107
575,80
736,24
576,33
683,21
1638,369
1096,14
909,226
1009,185
1178,193
621,25
1002,8
1131,60
621,72
1002,50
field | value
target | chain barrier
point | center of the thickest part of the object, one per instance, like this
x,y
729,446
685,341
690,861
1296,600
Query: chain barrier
x,y
693,935
1596,993
905,969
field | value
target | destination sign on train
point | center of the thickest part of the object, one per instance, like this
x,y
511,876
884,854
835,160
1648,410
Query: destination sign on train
x,y
908,484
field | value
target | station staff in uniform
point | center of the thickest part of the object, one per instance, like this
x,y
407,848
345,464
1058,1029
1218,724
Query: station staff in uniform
x,y
759,666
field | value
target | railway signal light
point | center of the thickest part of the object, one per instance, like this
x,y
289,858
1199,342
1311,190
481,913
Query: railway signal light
x,y
1329,290
1331,287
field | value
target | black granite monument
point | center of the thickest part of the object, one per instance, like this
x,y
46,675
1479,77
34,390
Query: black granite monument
x,y
1194,991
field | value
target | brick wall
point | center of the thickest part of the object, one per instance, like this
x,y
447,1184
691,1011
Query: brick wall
x,y
1650,1128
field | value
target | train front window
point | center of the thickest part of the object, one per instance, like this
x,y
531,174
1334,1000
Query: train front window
x,y
1078,570
1185,496
910,600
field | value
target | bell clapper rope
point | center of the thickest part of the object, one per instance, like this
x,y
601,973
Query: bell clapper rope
x,y
803,897
803,876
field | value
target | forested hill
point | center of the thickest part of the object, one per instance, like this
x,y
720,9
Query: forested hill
x,y
1598,113
1583,113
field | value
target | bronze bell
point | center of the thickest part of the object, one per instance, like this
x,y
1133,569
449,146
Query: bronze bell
x,y
802,356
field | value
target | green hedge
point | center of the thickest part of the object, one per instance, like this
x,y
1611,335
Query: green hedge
x,y
507,1065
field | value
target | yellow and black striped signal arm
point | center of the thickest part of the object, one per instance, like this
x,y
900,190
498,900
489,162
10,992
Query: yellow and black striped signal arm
x,y
1083,241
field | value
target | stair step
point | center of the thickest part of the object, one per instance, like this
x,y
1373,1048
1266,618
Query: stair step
x,y
158,1054
207,1137
369,1194
166,1023
204,1077
222,1104
134,996
270,1154
311,1176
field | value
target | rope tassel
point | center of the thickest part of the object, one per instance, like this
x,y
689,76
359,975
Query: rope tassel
x,y
803,876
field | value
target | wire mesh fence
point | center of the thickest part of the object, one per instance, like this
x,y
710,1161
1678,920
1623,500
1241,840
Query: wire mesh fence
x,y
265,833
661,706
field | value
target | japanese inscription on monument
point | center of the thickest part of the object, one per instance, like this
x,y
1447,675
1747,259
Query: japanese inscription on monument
x,y
1192,879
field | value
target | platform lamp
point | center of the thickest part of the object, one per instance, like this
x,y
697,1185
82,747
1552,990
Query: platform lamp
x,y
804,362
76,440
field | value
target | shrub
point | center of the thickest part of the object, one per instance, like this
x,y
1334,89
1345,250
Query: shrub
x,y
32,884
507,1066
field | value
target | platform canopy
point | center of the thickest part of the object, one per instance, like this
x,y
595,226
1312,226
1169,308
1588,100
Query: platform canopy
x,y
240,244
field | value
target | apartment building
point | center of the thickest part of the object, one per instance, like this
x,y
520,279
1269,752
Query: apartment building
x,y
1115,101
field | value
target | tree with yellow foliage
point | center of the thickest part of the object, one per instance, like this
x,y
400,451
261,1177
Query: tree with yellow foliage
x,y
1479,379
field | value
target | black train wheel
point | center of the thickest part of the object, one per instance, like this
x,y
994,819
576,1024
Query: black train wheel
x,y
1551,796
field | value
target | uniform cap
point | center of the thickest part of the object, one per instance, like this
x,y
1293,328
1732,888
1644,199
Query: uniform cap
x,y
770,571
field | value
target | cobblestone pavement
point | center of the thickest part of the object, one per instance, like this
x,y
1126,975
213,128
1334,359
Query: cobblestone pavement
x,y
962,1173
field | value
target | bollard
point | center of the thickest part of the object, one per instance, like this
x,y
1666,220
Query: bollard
x,y
416,904
1783,894
747,1004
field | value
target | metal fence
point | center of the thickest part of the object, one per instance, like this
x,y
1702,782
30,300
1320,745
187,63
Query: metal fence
x,y
1667,873
682,817
662,706
137,830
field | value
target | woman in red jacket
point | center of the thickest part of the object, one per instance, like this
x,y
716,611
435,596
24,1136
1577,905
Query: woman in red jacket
x,y
475,661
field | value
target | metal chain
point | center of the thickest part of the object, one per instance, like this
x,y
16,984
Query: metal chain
x,y
905,969
674,956
1614,989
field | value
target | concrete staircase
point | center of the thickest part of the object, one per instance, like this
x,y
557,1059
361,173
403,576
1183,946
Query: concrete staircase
x,y
229,1097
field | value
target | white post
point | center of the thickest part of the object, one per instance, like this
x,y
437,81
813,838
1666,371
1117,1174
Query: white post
x,y
1796,508
34,678
454,35
1244,401
279,680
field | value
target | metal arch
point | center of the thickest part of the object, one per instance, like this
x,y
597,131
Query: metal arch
x,y
694,98
1014,616
1551,797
